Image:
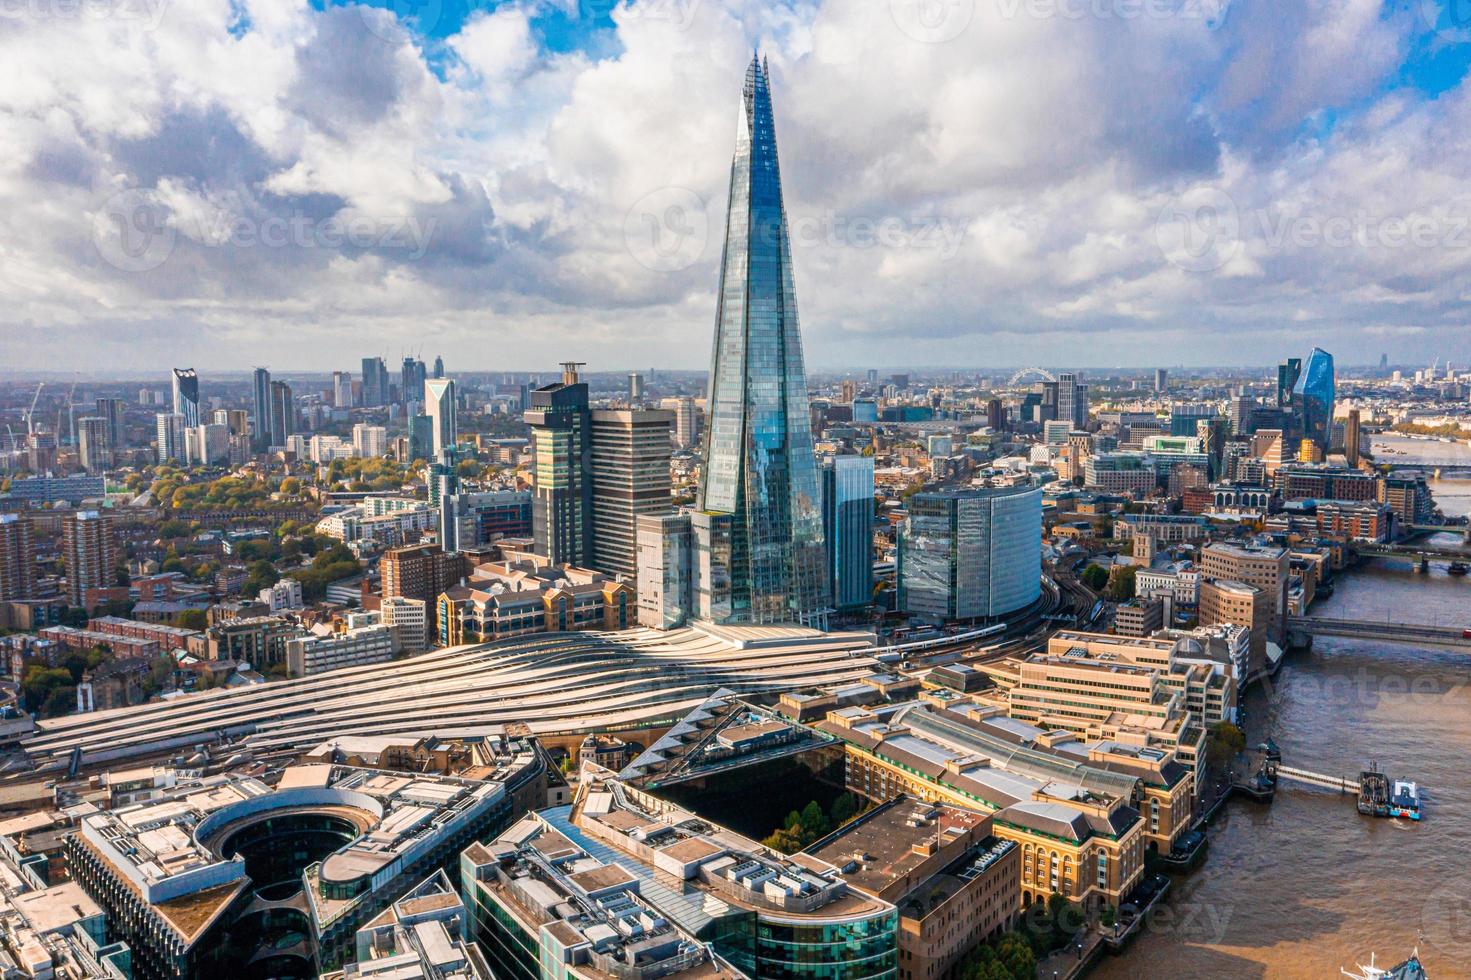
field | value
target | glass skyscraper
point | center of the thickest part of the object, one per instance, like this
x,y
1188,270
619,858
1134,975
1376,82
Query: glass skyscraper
x,y
847,523
758,463
1313,396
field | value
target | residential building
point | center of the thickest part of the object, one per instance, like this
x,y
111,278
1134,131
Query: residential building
x,y
94,435
257,640
758,464
421,572
1140,616
439,405
369,440
186,396
1224,602
260,410
170,439
89,548
375,382
283,413
284,596
17,558
1262,565
57,489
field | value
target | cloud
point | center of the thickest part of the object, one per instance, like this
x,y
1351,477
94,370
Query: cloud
x,y
1012,184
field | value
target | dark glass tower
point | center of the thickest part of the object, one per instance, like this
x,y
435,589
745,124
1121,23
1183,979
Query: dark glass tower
x,y
1313,397
758,463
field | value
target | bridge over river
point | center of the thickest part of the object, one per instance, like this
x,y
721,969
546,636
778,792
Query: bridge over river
x,y
1444,636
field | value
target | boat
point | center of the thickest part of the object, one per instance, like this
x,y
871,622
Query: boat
x,y
1373,793
1410,969
1404,801
1459,568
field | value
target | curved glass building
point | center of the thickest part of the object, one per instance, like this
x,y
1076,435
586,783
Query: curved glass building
x,y
1313,396
759,467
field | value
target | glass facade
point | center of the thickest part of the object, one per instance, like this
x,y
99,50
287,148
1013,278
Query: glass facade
x,y
758,463
971,554
847,524
858,949
1313,397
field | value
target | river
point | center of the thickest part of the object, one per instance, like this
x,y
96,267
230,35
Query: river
x,y
1307,885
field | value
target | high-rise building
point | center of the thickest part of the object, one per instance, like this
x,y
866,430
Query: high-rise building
x,y
211,443
629,477
1072,401
94,439
439,367
421,572
686,430
666,570
341,389
171,445
112,409
561,441
635,388
847,528
1287,375
282,413
411,381
1313,396
186,396
260,416
375,382
369,440
1161,380
759,466
971,553
421,437
995,414
439,405
90,552
17,558
1353,437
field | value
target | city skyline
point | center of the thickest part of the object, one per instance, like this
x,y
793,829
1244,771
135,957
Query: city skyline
x,y
448,201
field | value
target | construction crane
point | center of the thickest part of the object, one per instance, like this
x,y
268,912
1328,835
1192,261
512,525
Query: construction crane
x,y
71,416
30,428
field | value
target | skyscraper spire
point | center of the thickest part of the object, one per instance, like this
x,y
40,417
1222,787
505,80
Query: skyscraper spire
x,y
759,467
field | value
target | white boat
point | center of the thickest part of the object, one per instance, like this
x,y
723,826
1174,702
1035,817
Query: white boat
x,y
1410,969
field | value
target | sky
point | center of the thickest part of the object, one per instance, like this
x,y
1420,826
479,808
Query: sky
x,y
978,183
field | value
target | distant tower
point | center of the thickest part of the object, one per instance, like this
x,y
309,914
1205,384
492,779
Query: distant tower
x,y
186,395
635,388
439,405
439,367
260,416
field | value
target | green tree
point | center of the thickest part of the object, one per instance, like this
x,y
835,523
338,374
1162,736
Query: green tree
x,y
1094,577
1223,741
61,701
844,808
814,821
192,619
1121,583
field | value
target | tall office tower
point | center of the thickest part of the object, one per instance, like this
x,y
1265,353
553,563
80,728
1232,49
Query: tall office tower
x,y
1072,401
186,396
439,405
375,381
847,528
561,443
1313,396
849,391
17,558
421,437
112,410
95,439
686,421
1352,437
171,445
342,389
90,552
1046,407
635,388
759,468
1214,433
629,477
1287,374
1161,380
282,413
873,376
438,367
411,381
260,410
971,554
996,414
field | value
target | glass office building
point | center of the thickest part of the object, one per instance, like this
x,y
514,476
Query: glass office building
x,y
971,554
847,526
1313,397
758,462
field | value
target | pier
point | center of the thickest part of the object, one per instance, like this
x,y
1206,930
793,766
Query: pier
x,y
1342,784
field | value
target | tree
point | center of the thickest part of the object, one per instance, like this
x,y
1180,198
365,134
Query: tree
x,y
844,807
814,821
291,486
61,701
1121,583
1094,577
1223,742
192,619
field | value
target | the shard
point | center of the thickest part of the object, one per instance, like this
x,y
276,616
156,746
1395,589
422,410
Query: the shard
x,y
762,556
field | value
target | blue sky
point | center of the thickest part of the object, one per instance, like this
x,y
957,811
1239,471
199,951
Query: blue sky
x,y
996,182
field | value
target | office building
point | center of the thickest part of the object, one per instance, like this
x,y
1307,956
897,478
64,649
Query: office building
x,y
420,437
758,465
686,431
521,597
1140,616
666,570
358,647
420,572
1072,401
375,382
439,405
260,410
438,367
1265,566
847,527
90,551
17,558
172,447
94,443
1353,446
283,413
971,554
411,381
1313,398
635,388
409,620
628,478
1126,473
113,410
186,396
421,936
561,437
1161,380
1224,602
